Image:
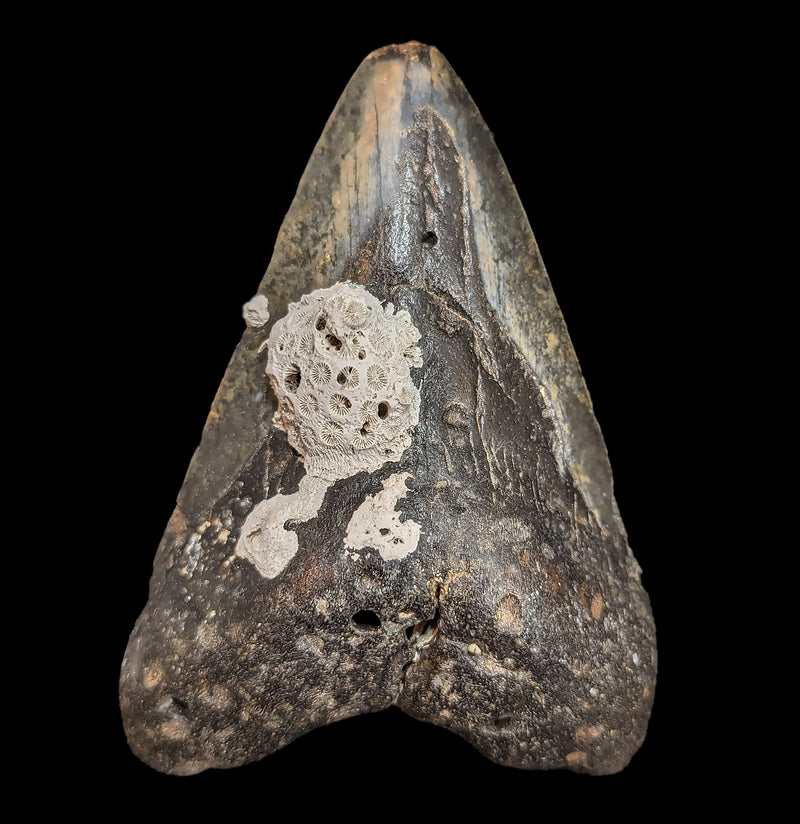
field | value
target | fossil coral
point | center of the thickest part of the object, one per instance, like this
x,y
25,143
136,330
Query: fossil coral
x,y
342,375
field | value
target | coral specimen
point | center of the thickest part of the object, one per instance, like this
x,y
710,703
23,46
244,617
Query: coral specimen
x,y
340,365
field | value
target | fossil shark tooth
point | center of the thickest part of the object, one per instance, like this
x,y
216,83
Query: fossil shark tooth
x,y
401,495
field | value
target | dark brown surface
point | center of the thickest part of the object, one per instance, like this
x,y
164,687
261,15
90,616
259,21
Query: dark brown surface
x,y
544,656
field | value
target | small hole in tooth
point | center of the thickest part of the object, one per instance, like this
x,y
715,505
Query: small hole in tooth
x,y
366,619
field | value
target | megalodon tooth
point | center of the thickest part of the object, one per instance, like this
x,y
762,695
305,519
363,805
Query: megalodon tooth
x,y
401,496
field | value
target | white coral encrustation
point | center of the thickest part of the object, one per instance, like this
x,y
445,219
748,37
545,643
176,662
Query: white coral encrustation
x,y
340,365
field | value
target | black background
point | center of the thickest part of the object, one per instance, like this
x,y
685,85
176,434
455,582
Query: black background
x,y
187,137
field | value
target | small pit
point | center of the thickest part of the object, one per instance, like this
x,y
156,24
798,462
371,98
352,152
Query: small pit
x,y
367,619
291,380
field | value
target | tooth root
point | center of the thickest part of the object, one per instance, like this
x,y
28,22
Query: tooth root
x,y
403,431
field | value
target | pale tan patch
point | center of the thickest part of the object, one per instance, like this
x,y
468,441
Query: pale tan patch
x,y
577,759
173,730
152,676
508,614
587,734
177,523
580,476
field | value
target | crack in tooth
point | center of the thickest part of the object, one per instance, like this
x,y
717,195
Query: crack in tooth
x,y
421,635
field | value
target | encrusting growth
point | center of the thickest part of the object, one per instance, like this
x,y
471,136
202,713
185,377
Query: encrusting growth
x,y
340,366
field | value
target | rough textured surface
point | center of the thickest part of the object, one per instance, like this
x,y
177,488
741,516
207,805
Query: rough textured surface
x,y
517,620
339,364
